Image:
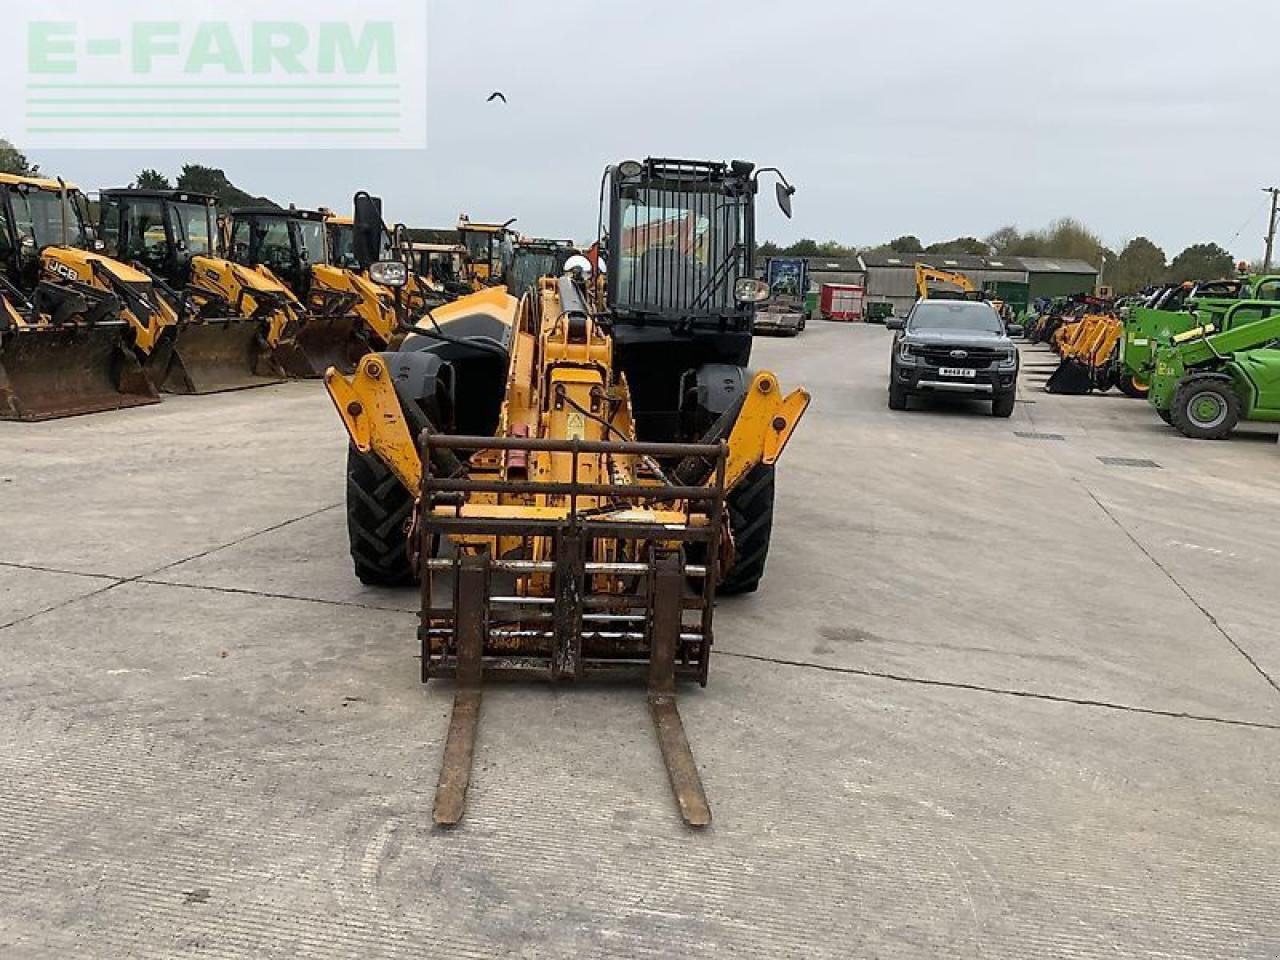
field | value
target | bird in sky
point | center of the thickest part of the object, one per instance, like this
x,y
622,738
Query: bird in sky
x,y
497,95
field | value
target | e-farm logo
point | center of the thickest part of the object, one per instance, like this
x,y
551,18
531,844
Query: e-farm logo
x,y
227,75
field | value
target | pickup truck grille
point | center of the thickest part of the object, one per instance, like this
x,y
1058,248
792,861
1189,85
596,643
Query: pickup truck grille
x,y
978,357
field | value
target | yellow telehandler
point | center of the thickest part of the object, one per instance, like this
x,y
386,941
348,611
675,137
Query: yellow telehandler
x,y
83,313
573,477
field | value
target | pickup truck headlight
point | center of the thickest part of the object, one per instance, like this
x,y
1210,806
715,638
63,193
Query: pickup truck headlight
x,y
1009,360
906,353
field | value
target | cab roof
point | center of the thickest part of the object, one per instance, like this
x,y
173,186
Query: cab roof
x,y
278,212
40,183
180,196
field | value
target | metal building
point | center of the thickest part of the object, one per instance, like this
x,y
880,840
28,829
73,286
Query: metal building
x,y
1051,277
891,277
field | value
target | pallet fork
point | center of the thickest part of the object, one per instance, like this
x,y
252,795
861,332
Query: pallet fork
x,y
599,615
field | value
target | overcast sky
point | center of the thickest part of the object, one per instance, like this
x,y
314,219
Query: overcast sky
x,y
938,119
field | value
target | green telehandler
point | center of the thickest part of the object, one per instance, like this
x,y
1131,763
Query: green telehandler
x,y
1227,369
1175,309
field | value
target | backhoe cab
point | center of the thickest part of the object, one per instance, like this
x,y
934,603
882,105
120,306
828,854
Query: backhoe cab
x,y
489,247
534,258
573,476
78,327
346,315
239,322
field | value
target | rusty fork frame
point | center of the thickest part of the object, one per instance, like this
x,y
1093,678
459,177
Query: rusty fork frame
x,y
577,628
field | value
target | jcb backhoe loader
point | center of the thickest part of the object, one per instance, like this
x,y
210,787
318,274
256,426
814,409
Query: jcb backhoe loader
x,y
573,476
490,247
63,353
345,314
239,322
418,294
80,309
533,258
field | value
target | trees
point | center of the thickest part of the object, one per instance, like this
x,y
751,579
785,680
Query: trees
x,y
13,161
1202,261
906,244
214,182
1140,264
971,245
151,180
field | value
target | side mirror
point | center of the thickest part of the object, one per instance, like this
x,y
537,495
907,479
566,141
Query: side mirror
x,y
367,232
784,193
1015,330
895,323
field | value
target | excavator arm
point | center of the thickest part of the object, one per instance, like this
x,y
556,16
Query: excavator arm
x,y
926,273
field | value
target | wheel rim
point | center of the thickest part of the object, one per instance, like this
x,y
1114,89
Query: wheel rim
x,y
1207,410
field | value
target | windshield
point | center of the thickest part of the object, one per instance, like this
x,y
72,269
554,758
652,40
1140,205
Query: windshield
x,y
680,251
343,238
38,218
977,317
311,240
192,228
144,234
262,240
526,269
477,245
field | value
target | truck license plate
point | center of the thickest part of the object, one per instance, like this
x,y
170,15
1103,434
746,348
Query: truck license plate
x,y
958,372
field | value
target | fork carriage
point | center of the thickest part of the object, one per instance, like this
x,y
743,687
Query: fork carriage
x,y
589,577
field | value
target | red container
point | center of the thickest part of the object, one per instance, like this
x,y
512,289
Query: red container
x,y
842,301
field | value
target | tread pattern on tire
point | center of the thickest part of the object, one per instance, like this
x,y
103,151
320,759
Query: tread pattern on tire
x,y
750,509
1184,424
378,512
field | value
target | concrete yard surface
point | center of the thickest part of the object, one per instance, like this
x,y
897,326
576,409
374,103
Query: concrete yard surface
x,y
1005,692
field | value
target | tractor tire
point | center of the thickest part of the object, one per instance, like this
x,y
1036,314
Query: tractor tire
x,y
750,508
378,513
1130,386
897,397
1002,406
1205,408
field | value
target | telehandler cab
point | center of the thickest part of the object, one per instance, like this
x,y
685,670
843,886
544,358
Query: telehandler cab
x,y
1181,307
1226,369
572,476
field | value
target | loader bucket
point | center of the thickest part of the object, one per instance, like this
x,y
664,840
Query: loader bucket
x,y
212,356
324,342
65,371
1072,378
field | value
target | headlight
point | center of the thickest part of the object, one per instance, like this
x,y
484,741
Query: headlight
x,y
389,273
906,353
747,290
1009,361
